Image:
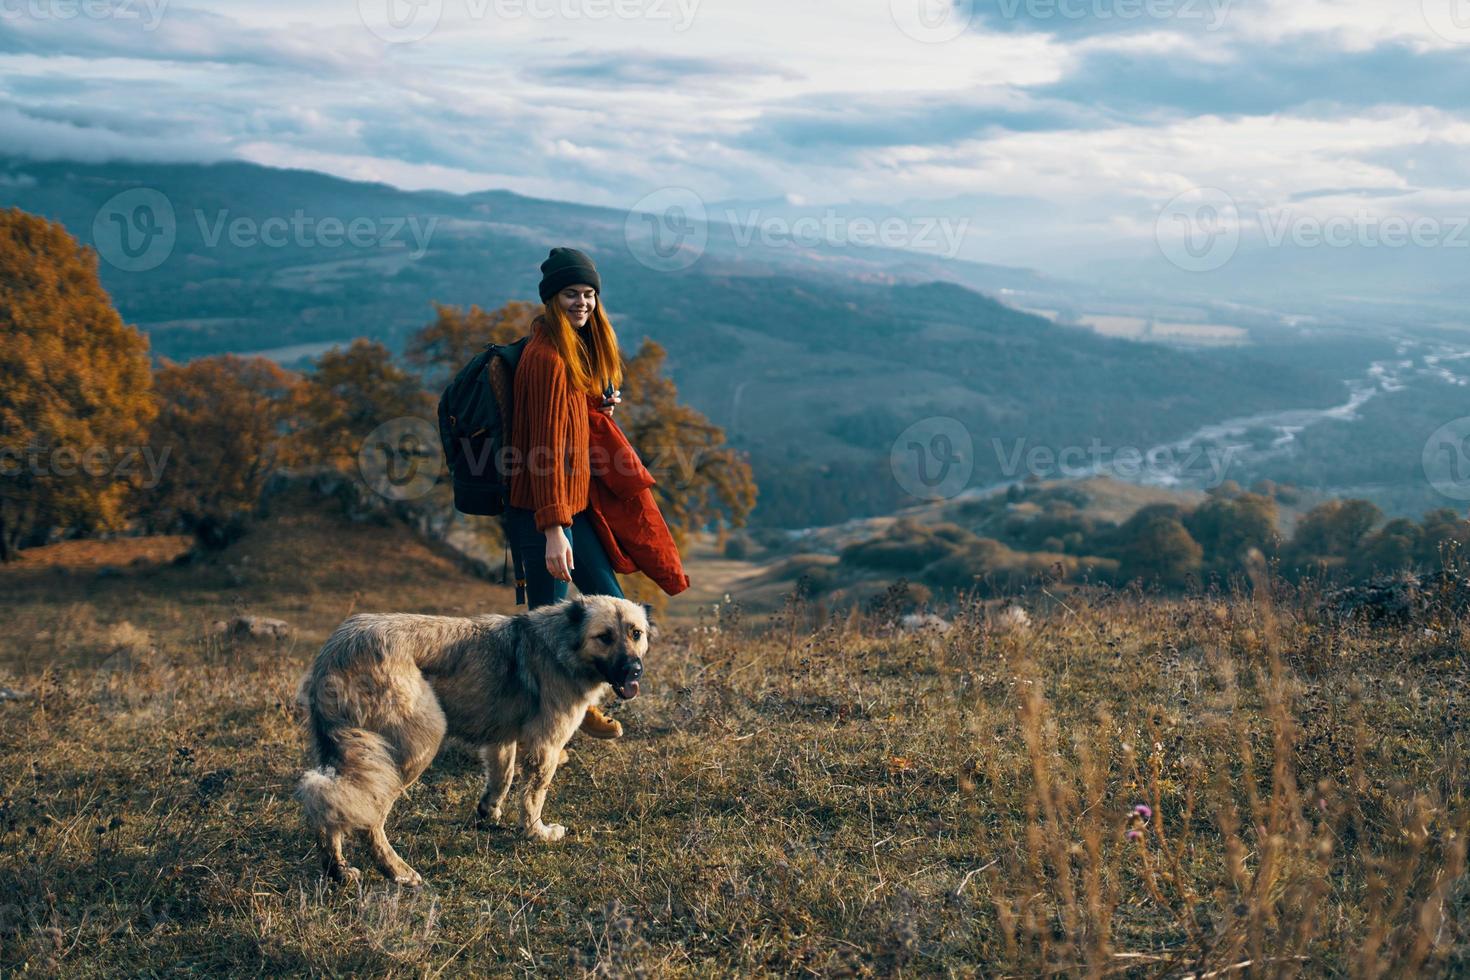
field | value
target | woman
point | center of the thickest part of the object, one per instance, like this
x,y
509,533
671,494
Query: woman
x,y
571,358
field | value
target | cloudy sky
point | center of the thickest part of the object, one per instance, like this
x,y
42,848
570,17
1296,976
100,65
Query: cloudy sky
x,y
1042,122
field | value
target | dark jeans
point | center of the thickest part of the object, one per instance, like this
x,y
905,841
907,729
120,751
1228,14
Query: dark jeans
x,y
590,569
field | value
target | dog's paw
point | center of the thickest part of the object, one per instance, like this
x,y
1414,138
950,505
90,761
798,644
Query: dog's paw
x,y
345,874
409,878
489,818
549,832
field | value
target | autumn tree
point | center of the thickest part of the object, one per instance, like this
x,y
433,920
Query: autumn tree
x,y
1157,548
226,423
1444,539
1393,547
347,395
440,349
76,399
700,479
1229,524
1400,544
1329,535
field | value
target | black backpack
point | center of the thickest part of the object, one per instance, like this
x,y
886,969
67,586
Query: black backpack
x,y
474,423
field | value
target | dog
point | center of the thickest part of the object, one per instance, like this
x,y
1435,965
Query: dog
x,y
386,689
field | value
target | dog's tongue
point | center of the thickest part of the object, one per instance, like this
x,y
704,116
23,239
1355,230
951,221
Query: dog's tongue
x,y
628,691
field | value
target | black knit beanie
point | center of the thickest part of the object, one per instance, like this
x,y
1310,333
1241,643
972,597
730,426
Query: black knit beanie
x,y
567,267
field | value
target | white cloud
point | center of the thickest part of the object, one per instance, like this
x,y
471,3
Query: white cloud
x,y
496,102
61,140
172,33
1351,25
411,176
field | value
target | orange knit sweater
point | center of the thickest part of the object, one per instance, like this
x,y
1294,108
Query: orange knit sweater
x,y
550,470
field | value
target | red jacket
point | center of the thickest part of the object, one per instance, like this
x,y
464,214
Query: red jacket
x,y
621,508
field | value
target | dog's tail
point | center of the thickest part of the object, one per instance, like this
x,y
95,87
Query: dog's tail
x,y
355,783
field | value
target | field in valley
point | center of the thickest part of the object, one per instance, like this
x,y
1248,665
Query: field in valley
x,y
1124,786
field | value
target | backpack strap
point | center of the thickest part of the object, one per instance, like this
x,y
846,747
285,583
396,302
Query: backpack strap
x,y
511,352
499,376
500,373
500,369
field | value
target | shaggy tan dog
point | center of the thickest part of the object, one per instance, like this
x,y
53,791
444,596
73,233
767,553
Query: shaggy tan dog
x,y
385,690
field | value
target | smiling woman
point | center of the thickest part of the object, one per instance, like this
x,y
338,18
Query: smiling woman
x,y
572,353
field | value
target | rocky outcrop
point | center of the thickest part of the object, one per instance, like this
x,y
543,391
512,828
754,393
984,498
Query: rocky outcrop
x,y
252,627
1402,598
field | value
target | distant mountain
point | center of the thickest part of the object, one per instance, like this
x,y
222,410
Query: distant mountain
x,y
814,358
236,255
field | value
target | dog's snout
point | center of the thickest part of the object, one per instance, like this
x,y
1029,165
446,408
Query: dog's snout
x,y
626,673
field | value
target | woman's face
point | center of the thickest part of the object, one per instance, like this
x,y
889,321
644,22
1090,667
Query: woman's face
x,y
577,303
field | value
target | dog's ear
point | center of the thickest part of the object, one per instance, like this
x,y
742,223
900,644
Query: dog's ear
x,y
576,620
652,625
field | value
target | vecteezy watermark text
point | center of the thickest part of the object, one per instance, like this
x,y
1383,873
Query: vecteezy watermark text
x,y
1203,464
1201,229
668,230
831,228
402,459
98,462
137,230
148,12
302,230
406,21
939,21
934,458
1212,13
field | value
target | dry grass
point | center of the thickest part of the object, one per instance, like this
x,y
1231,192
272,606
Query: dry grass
x,y
792,797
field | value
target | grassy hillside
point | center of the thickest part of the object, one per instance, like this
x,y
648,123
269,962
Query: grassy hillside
x,y
793,795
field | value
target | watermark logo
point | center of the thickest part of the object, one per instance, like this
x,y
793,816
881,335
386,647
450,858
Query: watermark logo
x,y
135,231
1199,230
932,21
142,464
933,458
1450,19
667,231
406,21
1204,465
1446,459
148,12
400,21
937,235
399,460
1362,229
301,230
138,230
1212,12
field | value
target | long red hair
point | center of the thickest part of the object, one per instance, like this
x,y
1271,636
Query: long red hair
x,y
592,361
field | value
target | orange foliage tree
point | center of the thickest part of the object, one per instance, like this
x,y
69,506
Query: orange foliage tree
x,y
76,399
226,424
700,479
440,349
349,393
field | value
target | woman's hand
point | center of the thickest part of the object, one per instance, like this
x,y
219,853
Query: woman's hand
x,y
609,404
558,554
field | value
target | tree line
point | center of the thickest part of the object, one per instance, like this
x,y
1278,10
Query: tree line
x,y
96,436
1009,541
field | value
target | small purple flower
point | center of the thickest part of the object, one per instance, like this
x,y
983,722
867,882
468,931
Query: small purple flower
x,y
1135,835
1143,811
